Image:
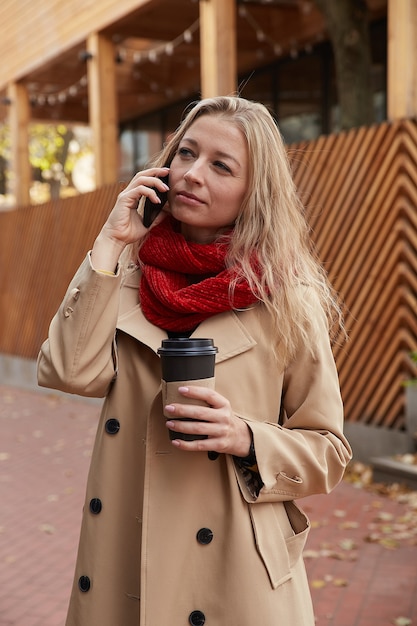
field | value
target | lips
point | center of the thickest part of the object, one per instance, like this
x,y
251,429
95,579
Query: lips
x,y
184,195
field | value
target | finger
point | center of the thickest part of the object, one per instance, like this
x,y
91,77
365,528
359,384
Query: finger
x,y
204,439
146,187
206,394
197,445
190,427
151,178
152,172
190,411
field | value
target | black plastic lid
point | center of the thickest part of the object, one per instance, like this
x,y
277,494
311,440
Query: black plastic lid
x,y
182,346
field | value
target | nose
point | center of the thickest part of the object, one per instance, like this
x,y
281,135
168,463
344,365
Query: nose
x,y
194,173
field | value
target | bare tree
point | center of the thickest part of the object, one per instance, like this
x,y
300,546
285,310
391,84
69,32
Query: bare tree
x,y
347,23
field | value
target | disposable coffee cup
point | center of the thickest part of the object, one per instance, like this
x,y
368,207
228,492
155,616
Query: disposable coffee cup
x,y
186,362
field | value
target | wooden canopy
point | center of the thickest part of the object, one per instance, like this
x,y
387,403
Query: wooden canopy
x,y
107,62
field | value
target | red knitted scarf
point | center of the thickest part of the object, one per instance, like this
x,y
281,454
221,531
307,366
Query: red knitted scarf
x,y
184,283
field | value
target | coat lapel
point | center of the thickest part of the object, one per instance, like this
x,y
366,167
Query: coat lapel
x,y
230,335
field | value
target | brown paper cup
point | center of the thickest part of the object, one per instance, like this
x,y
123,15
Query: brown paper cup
x,y
171,394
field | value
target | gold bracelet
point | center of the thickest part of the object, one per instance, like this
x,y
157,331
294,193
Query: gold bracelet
x,y
106,272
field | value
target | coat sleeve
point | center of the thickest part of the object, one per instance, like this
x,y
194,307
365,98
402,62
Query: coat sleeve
x,y
308,453
79,355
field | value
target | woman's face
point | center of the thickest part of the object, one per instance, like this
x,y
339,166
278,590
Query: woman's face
x,y
208,178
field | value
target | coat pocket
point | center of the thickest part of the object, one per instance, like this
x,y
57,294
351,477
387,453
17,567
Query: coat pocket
x,y
280,531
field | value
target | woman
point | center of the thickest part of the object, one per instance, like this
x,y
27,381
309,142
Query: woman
x,y
205,531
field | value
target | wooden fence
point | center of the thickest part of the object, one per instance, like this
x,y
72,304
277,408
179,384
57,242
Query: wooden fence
x,y
360,190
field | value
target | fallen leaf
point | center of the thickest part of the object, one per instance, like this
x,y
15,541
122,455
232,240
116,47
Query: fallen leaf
x,y
4,456
389,543
348,525
318,584
315,524
385,517
387,529
347,544
345,556
402,621
47,528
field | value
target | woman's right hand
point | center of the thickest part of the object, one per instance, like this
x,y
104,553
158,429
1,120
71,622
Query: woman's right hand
x,y
124,224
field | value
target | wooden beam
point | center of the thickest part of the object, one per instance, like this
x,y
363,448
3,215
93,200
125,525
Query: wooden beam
x,y
19,119
402,59
102,100
218,47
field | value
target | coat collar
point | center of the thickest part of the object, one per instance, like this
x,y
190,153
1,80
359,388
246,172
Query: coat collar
x,y
231,336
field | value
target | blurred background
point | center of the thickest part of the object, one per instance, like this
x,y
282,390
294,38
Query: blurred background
x,y
90,91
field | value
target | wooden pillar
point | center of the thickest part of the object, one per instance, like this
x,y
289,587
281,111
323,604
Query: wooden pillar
x,y
19,119
402,59
102,101
218,47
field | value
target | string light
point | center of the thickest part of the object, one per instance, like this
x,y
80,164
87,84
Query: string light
x,y
42,99
263,38
165,48
154,55
169,49
123,55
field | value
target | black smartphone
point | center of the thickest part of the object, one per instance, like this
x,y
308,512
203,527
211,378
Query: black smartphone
x,y
152,209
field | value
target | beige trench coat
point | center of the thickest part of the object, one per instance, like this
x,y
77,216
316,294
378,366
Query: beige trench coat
x,y
175,538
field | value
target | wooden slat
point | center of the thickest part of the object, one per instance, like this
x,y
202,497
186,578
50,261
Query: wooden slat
x,y
361,193
40,249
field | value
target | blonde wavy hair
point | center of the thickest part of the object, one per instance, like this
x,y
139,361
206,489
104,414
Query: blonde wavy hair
x,y
272,223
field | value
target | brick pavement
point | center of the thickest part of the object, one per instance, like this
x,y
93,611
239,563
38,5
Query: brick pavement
x,y
361,556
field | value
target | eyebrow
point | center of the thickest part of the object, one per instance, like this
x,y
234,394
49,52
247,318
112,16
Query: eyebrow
x,y
219,153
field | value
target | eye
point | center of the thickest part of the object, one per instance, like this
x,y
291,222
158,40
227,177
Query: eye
x,y
185,152
222,166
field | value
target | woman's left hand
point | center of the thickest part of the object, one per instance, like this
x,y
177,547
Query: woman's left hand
x,y
225,432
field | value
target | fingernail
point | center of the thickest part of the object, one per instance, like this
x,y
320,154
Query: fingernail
x,y
170,408
169,424
183,389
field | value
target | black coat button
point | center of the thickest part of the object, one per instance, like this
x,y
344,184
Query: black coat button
x,y
197,618
212,455
84,583
95,506
205,536
112,426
